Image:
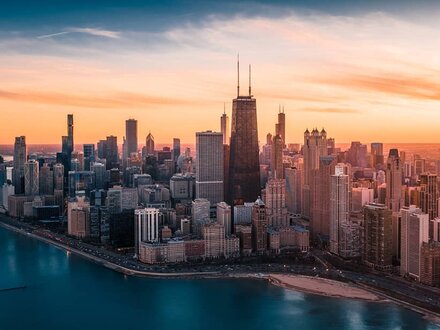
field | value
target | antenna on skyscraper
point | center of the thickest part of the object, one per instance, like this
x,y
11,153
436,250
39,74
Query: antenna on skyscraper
x,y
238,74
224,108
250,93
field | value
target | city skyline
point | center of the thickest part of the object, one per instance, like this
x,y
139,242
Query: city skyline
x,y
329,65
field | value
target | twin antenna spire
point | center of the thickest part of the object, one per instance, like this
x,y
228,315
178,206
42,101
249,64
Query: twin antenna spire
x,y
238,77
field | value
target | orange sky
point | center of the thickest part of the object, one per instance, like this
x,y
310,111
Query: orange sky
x,y
367,78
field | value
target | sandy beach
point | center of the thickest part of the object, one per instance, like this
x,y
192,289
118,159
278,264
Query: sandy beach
x,y
323,287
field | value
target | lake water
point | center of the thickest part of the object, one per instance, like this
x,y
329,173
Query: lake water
x,y
66,292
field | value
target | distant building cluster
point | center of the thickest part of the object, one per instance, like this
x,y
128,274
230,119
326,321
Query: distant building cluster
x,y
234,198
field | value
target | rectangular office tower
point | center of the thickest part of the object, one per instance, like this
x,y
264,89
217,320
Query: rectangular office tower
x,y
209,165
131,136
244,166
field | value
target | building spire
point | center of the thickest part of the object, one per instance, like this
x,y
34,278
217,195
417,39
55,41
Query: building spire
x,y
250,90
238,74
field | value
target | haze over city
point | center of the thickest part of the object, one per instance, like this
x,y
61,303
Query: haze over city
x,y
219,164
365,71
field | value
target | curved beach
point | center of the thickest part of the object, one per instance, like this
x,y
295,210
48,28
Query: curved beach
x,y
322,286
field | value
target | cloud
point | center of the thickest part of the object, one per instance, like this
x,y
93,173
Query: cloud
x,y
89,31
415,87
330,110
113,100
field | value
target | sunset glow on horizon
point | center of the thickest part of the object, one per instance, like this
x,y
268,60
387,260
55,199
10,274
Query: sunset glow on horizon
x,y
365,75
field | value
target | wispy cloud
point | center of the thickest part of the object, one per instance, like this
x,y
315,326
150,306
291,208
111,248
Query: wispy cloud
x,y
417,87
111,101
330,110
89,31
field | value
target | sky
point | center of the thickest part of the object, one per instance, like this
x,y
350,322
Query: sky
x,y
365,70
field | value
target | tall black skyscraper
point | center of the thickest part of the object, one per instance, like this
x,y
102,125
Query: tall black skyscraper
x,y
244,166
131,136
67,145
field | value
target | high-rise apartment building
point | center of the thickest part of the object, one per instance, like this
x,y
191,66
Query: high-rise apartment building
x,y
209,166
315,146
394,199
339,205
293,190
259,227
20,158
214,237
78,218
414,231
275,201
320,196
224,217
377,250
429,195
200,214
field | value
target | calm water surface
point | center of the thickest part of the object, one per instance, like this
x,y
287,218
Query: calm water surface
x,y
66,292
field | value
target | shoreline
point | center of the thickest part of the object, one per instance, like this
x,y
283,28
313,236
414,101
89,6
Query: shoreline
x,y
280,280
324,287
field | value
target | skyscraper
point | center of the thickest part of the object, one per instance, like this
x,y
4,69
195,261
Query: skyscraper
x,y
414,231
244,167
315,146
46,180
146,226
58,177
282,126
259,227
176,149
394,199
224,127
293,190
20,158
339,205
149,145
200,215
209,164
31,178
377,158
131,136
275,201
320,196
89,155
68,143
377,248
111,152
224,217
429,194
276,165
